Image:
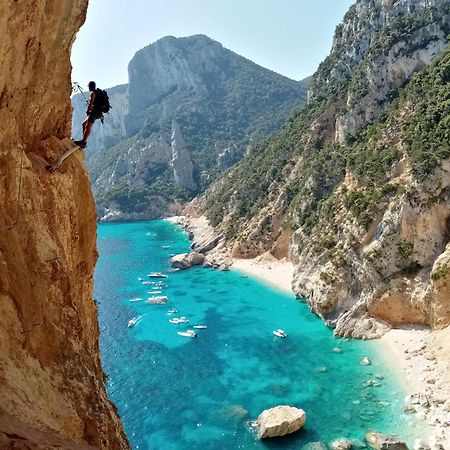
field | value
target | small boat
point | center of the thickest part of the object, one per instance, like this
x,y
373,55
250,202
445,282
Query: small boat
x,y
160,285
280,333
157,300
200,327
165,247
157,275
172,311
132,322
140,279
148,282
137,299
188,333
177,320
154,292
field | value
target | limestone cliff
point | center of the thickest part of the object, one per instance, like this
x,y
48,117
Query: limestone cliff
x,y
52,393
355,188
220,101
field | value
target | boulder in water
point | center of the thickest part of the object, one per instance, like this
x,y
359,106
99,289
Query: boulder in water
x,y
379,441
186,260
279,421
341,444
365,361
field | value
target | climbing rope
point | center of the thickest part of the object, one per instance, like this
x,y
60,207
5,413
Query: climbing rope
x,y
19,192
76,87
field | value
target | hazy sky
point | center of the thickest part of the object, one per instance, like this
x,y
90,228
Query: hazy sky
x,y
288,36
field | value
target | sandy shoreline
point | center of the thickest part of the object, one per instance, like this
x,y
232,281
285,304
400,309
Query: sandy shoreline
x,y
276,273
421,358
409,351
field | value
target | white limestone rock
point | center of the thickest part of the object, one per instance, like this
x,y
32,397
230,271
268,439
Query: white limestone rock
x,y
279,421
187,260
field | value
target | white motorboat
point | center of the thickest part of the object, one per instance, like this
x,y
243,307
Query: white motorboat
x,y
200,327
188,333
157,275
136,299
178,320
157,300
148,282
172,311
154,292
165,247
132,322
280,333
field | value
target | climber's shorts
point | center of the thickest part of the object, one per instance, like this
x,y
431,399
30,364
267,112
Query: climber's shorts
x,y
93,116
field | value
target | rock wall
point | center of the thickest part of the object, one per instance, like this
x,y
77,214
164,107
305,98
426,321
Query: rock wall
x,y
52,392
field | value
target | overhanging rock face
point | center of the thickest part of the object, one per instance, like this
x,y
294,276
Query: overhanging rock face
x,y
51,381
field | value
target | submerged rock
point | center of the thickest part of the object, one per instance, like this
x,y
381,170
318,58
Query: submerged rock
x,y
341,444
187,260
314,446
233,413
279,421
365,361
379,441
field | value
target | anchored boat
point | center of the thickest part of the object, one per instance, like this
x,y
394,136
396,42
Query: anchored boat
x,y
188,333
280,333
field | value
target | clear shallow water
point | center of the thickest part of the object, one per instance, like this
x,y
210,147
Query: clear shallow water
x,y
176,393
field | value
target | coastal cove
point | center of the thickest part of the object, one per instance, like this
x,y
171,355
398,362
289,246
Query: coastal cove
x,y
173,392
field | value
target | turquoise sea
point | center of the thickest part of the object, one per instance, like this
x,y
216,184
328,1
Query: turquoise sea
x,y
178,393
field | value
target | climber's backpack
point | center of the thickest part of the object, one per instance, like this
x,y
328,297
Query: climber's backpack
x,y
101,101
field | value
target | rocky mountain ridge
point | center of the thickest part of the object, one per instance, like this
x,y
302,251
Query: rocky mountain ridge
x,y
354,189
219,103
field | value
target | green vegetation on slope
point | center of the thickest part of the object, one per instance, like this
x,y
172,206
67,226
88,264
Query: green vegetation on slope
x,y
310,197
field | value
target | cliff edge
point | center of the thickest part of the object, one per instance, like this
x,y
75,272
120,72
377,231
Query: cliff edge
x,y
52,393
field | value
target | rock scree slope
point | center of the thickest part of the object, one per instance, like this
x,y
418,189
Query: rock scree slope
x,y
52,393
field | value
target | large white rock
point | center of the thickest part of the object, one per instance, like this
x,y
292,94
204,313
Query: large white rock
x,y
279,421
186,260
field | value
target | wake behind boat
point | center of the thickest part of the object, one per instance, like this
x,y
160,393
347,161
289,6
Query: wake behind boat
x,y
136,299
200,327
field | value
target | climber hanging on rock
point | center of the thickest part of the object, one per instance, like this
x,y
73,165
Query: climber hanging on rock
x,y
97,105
